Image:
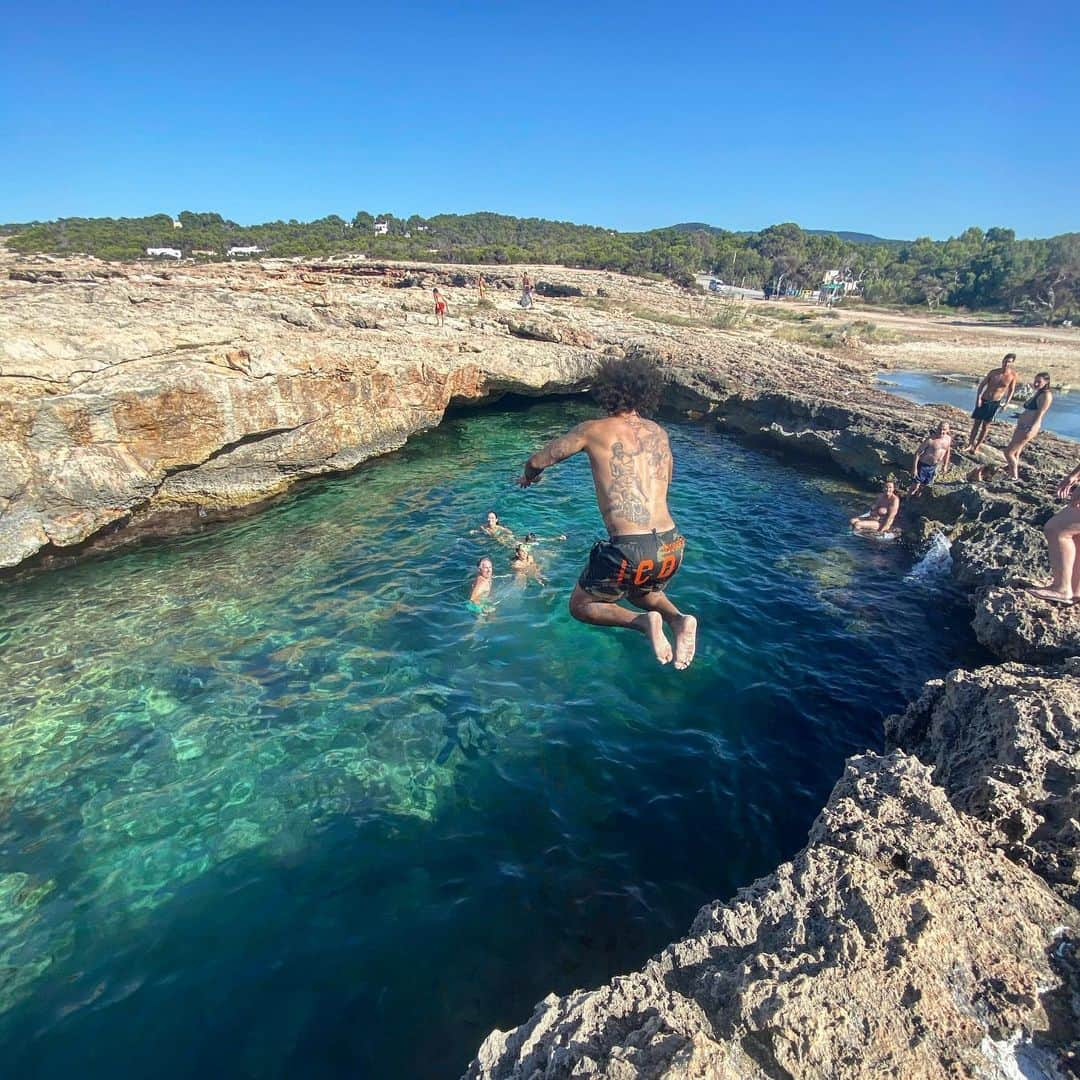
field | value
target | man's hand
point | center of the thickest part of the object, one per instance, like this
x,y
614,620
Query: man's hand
x,y
1065,487
530,475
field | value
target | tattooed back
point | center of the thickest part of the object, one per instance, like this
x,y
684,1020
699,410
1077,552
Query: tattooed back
x,y
631,466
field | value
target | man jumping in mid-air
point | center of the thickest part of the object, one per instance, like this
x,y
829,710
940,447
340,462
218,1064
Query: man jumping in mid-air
x,y
631,467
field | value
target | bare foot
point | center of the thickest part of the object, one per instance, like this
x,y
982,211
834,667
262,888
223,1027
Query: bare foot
x,y
651,625
685,641
1051,595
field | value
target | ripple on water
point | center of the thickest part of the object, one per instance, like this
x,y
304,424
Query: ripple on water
x,y
248,771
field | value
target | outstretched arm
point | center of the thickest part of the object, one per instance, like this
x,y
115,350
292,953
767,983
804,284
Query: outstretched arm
x,y
557,450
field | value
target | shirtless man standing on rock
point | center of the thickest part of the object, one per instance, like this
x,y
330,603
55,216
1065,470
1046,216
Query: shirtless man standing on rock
x,y
994,393
934,452
631,466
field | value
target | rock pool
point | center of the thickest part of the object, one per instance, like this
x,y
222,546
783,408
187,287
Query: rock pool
x,y
274,803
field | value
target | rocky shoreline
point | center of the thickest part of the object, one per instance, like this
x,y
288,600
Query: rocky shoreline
x,y
928,928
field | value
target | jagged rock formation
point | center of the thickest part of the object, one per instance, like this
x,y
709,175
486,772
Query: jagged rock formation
x,y
897,943
1005,745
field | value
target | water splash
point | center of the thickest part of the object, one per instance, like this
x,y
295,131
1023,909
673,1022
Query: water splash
x,y
935,566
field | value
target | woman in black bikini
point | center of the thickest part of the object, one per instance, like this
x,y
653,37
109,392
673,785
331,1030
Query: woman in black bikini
x,y
1029,422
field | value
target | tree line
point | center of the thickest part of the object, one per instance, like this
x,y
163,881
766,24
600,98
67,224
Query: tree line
x,y
1036,280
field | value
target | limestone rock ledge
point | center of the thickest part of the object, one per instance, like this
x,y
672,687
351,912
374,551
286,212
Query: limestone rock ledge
x,y
898,942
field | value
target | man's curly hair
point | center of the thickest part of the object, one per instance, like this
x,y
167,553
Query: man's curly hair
x,y
632,382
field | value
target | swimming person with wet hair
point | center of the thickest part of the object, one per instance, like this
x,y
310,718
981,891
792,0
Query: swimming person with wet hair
x,y
481,586
494,527
525,565
631,467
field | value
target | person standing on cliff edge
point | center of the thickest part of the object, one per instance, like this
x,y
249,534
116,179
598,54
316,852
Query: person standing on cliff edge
x,y
631,466
440,307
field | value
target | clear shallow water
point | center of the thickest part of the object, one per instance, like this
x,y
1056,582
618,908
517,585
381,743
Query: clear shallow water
x,y
274,803
928,388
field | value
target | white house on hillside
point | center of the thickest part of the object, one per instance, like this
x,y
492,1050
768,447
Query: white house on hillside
x,y
165,253
382,228
177,224
253,250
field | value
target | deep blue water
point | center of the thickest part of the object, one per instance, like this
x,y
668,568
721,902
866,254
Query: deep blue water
x,y
927,388
275,804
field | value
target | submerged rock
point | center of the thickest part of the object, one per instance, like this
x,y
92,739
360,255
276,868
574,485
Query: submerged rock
x,y
896,943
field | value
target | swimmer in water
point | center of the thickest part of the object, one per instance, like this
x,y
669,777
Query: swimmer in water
x,y
882,514
525,566
495,528
481,586
631,467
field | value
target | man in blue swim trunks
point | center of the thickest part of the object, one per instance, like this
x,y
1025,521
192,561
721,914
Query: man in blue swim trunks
x,y
631,467
934,453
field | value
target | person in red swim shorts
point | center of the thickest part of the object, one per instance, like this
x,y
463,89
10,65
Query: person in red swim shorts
x,y
440,307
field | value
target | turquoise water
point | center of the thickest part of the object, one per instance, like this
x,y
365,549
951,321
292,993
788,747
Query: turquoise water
x,y
274,803
927,388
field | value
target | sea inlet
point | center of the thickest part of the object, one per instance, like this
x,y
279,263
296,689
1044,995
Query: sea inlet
x,y
275,803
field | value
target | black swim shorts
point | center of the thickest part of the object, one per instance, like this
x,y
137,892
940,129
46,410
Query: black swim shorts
x,y
632,565
986,411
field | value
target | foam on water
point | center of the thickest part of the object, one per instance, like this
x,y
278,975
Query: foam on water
x,y
274,803
935,567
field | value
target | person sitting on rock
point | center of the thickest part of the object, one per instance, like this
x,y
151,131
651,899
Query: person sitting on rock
x,y
880,517
1062,534
935,451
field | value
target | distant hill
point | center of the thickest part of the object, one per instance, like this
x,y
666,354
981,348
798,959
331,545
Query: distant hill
x,y
857,237
849,237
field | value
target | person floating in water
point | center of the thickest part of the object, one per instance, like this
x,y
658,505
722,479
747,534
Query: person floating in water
x,y
1062,537
631,467
495,528
525,565
440,307
1029,422
993,393
935,451
481,586
882,514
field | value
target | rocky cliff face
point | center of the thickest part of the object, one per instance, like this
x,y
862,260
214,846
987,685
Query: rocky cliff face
x,y
929,926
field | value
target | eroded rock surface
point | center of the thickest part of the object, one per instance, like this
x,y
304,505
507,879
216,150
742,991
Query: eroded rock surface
x,y
897,943
1004,743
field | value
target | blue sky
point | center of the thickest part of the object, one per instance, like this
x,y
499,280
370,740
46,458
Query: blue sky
x,y
919,120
